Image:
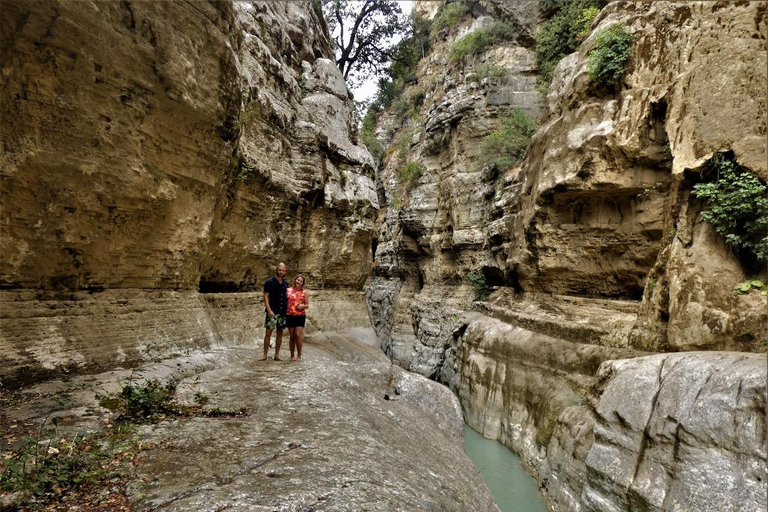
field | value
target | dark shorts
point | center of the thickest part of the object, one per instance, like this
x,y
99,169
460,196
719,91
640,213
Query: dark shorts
x,y
295,321
275,322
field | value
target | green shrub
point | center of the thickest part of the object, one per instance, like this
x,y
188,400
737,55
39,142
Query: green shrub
x,y
562,34
505,147
474,42
244,171
416,99
409,51
608,61
448,16
399,106
403,144
477,41
549,7
148,400
410,173
49,467
480,284
491,71
737,205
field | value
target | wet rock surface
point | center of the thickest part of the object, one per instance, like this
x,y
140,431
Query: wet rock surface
x,y
319,434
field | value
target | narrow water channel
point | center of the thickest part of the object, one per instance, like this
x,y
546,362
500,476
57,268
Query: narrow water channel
x,y
513,489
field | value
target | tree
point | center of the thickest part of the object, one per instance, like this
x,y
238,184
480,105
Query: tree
x,y
363,32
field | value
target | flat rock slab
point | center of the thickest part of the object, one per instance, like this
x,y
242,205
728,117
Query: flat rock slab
x,y
319,434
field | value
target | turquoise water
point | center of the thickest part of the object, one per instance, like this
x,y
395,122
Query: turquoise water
x,y
513,489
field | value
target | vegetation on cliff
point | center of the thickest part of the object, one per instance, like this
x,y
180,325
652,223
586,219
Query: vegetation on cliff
x,y
405,58
448,15
362,34
566,28
504,148
736,206
480,39
609,59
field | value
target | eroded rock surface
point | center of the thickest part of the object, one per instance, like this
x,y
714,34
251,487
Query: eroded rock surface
x,y
156,150
594,250
319,434
667,432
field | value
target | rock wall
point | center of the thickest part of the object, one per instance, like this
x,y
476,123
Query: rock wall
x,y
665,432
156,150
596,256
609,210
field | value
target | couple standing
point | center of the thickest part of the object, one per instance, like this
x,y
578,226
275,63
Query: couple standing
x,y
285,307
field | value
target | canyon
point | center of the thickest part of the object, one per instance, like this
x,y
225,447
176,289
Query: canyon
x,y
160,158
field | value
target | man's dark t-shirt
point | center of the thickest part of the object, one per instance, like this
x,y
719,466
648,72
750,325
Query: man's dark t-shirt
x,y
278,299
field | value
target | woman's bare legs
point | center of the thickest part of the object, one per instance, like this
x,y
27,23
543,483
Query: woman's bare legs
x,y
292,342
298,341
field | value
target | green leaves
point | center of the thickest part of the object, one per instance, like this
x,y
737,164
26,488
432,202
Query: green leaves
x,y
736,205
480,39
563,33
410,173
448,15
749,285
147,400
363,33
608,61
505,147
480,284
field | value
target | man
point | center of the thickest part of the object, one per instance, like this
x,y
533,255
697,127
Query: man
x,y
275,304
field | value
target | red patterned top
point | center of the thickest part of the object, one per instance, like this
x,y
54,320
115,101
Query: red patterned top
x,y
296,297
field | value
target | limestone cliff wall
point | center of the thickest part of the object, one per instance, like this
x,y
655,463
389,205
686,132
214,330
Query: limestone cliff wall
x,y
609,178
156,150
596,255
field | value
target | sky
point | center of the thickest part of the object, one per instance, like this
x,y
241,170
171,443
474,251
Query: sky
x,y
367,89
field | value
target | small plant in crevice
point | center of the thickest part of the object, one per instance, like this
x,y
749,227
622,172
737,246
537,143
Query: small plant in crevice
x,y
504,148
448,16
153,400
608,61
245,171
410,173
479,40
480,284
252,112
486,70
125,96
749,285
736,206
149,399
652,286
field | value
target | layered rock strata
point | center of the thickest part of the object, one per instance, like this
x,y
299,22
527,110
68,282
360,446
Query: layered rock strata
x,y
665,432
596,254
608,209
156,150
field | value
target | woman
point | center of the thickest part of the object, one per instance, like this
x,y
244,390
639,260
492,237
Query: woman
x,y
298,303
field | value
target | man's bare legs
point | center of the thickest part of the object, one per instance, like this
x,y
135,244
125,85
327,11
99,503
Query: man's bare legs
x,y
278,342
267,336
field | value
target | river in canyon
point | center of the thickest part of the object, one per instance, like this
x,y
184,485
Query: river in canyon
x,y
513,489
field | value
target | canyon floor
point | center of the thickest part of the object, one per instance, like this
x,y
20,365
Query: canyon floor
x,y
318,434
